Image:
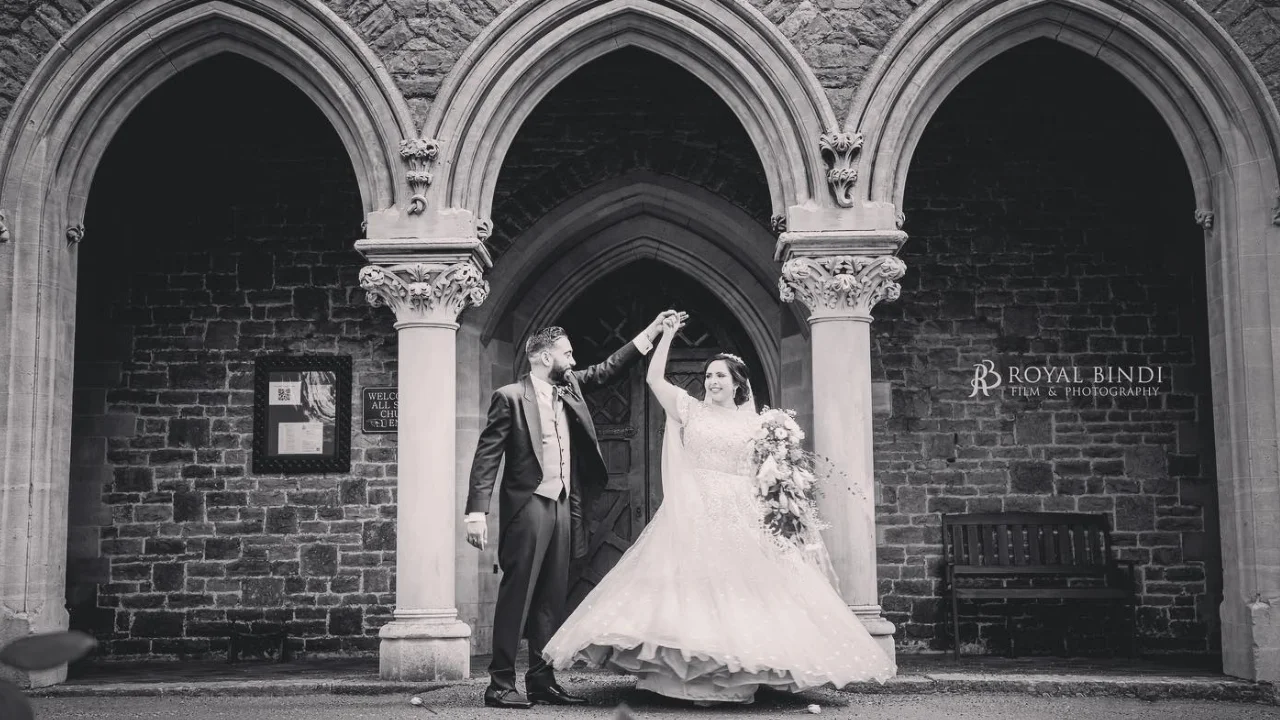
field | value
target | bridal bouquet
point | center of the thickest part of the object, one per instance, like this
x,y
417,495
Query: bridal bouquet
x,y
785,480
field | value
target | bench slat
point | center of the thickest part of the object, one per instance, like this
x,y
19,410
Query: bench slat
x,y
1079,538
1064,546
1035,550
1046,518
1044,593
971,537
1072,570
957,545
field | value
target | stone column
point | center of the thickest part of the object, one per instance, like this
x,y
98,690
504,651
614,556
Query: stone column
x,y
839,290
426,640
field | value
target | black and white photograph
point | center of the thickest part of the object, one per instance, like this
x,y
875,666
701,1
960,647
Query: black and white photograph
x,y
630,359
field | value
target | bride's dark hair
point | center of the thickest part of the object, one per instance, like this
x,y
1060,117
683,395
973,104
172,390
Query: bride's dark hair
x,y
737,372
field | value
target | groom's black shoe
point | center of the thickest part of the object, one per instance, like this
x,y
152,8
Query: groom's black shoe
x,y
553,694
500,698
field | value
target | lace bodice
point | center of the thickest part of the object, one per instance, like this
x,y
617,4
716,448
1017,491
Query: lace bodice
x,y
717,438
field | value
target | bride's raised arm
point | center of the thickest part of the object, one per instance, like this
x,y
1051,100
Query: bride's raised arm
x,y
668,395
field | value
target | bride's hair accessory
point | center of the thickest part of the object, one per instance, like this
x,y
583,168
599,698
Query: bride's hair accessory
x,y
732,357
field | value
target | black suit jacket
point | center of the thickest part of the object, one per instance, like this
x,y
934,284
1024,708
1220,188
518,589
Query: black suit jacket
x,y
513,430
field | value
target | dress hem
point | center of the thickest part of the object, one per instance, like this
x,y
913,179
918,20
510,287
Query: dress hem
x,y
700,668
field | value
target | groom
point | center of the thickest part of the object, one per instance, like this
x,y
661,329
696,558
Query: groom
x,y
544,429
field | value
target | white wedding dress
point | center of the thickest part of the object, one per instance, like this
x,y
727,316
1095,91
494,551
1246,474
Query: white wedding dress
x,y
704,606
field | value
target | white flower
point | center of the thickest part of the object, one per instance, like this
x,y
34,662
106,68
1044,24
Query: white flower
x,y
780,433
767,475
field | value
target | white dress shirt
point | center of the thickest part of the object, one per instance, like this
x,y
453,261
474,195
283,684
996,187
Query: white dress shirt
x,y
554,440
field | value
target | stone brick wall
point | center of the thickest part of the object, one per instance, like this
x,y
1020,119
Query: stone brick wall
x,y
626,111
187,272
1050,223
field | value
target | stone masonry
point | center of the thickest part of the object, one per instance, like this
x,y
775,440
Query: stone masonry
x,y
173,540
421,42
1084,252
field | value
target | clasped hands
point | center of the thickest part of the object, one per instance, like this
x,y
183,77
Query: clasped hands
x,y
668,322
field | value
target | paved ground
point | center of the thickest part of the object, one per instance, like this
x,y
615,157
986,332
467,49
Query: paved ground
x,y
929,687
462,702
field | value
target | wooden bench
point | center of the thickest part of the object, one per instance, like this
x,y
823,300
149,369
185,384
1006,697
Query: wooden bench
x,y
1060,547
259,644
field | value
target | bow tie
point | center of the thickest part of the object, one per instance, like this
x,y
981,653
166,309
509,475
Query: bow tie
x,y
563,390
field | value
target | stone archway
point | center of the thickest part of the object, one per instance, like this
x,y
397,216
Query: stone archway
x,y
428,258
1227,128
636,217
640,215
534,45
50,148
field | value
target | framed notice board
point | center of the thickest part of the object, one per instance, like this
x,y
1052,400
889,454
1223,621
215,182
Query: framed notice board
x,y
302,414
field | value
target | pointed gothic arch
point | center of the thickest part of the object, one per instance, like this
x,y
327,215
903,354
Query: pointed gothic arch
x,y
53,139
1227,127
535,44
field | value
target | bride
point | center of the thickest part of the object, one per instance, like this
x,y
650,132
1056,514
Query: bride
x,y
705,606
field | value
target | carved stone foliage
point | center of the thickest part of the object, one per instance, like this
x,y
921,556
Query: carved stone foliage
x,y
75,233
778,223
1204,218
841,285
840,152
419,155
484,229
4,228
425,292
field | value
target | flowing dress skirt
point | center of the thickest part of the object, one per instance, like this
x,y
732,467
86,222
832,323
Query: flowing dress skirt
x,y
711,610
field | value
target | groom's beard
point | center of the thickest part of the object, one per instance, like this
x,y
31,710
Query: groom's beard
x,y
557,373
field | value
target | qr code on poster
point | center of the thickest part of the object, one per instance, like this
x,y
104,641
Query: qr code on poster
x,y
285,393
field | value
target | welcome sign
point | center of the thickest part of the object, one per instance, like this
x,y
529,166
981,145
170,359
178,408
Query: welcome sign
x,y
381,407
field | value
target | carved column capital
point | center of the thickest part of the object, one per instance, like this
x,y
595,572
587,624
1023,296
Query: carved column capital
x,y
841,286
424,293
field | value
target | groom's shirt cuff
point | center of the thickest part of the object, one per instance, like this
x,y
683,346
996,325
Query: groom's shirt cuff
x,y
474,516
642,343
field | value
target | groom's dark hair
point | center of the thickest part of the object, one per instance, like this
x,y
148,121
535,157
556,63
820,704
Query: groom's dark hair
x,y
543,340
